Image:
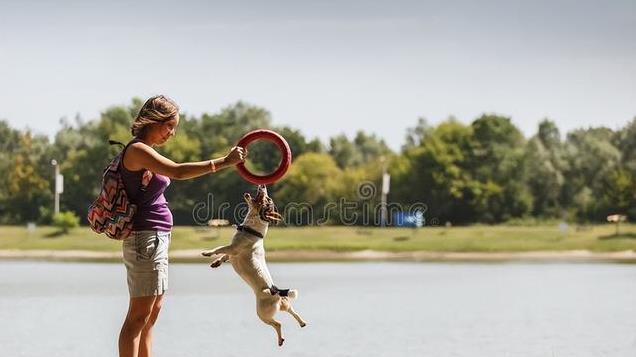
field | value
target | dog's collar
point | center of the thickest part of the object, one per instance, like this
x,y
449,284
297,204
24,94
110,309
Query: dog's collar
x,y
242,228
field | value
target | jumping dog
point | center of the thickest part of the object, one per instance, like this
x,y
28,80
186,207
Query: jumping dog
x,y
247,256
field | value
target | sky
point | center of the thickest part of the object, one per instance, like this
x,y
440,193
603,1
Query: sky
x,y
324,67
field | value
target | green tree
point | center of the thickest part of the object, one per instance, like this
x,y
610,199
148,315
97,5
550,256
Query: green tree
x,y
313,181
416,135
9,143
363,149
344,151
27,189
497,163
545,165
371,147
619,192
435,173
625,141
591,158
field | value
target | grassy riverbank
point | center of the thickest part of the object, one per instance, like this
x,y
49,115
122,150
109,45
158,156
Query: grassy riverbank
x,y
482,239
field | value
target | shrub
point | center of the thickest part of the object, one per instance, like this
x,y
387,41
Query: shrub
x,y
65,221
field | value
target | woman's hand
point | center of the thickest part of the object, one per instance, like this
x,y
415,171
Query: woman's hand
x,y
236,155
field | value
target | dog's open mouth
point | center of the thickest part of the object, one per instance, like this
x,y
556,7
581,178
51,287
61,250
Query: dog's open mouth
x,y
266,207
269,214
268,211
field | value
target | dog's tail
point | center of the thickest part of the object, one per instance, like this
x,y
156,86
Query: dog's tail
x,y
292,294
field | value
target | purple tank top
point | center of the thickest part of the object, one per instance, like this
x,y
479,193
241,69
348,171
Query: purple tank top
x,y
152,208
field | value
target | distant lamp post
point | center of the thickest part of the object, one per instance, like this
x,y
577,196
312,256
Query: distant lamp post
x,y
616,218
59,186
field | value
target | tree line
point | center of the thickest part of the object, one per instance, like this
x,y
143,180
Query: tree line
x,y
482,172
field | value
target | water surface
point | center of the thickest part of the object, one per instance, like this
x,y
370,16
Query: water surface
x,y
352,309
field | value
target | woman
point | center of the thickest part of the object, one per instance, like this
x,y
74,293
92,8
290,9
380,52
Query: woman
x,y
146,250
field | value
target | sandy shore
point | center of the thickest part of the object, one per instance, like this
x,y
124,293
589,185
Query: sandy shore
x,y
364,255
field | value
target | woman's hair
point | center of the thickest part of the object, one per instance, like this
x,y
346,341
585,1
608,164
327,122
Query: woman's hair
x,y
156,109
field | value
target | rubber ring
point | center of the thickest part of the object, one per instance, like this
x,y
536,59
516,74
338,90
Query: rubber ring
x,y
285,153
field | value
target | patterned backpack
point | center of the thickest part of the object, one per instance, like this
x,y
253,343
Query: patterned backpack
x,y
112,212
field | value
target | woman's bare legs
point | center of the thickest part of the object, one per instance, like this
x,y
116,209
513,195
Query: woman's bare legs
x,y
135,338
145,343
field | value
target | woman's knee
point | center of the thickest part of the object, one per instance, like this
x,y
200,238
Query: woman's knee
x,y
154,314
137,321
140,312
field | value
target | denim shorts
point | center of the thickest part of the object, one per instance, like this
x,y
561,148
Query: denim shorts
x,y
146,260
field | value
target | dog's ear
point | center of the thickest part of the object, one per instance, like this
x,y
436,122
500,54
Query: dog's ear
x,y
247,197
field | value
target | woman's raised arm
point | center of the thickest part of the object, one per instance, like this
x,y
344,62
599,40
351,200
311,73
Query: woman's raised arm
x,y
141,156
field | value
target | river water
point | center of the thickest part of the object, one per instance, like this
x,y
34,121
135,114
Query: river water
x,y
352,309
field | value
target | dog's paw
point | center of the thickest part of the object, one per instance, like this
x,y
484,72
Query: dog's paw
x,y
302,324
216,264
207,253
281,341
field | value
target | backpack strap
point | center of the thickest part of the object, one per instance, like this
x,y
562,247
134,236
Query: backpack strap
x,y
114,142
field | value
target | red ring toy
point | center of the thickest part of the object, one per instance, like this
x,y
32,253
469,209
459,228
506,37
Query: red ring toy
x,y
285,153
